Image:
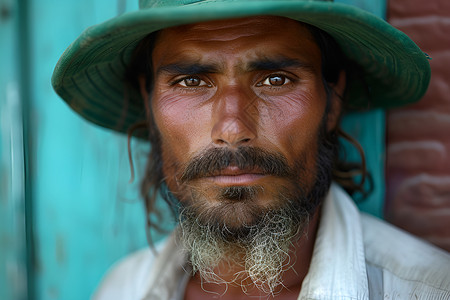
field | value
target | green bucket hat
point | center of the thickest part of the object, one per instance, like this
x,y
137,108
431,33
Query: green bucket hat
x,y
90,74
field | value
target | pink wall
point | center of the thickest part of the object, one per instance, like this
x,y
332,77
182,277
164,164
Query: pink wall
x,y
418,136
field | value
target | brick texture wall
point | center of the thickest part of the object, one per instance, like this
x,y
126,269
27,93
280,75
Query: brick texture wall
x,y
418,136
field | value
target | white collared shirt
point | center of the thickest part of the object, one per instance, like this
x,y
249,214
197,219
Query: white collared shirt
x,y
355,256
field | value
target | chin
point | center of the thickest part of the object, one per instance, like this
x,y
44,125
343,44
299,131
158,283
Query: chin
x,y
233,207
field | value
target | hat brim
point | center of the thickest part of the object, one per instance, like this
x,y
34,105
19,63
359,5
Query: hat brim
x,y
90,74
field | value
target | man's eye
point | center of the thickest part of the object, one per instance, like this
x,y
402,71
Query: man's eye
x,y
192,81
274,80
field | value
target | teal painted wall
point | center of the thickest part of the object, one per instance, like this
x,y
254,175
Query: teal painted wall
x,y
13,239
86,213
369,129
82,212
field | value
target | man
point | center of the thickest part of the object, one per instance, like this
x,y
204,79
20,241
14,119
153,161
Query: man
x,y
242,102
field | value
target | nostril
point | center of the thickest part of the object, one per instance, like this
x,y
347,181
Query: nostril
x,y
220,142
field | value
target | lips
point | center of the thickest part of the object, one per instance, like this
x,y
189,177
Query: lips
x,y
233,175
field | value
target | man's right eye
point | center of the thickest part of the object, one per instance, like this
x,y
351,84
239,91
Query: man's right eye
x,y
192,81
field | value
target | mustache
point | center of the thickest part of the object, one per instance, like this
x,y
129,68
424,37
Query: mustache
x,y
213,160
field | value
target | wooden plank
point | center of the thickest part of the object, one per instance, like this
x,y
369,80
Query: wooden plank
x,y
369,129
86,214
13,260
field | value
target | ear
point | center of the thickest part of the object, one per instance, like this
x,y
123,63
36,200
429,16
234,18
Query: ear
x,y
337,92
144,94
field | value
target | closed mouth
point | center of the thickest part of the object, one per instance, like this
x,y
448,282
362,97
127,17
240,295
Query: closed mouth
x,y
235,176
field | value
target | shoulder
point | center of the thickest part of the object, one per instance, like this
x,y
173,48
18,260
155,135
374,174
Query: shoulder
x,y
126,278
410,267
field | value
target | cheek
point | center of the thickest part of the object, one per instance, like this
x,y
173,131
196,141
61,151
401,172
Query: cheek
x,y
295,120
294,129
180,125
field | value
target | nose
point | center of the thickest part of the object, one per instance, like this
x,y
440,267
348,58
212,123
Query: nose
x,y
235,118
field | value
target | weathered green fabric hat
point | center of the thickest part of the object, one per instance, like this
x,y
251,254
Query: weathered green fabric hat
x,y
90,74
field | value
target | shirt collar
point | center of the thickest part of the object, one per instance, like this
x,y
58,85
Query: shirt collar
x,y
338,268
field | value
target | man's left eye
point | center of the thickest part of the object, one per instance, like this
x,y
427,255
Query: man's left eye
x,y
274,80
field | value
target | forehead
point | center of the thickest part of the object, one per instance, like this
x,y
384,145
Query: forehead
x,y
262,35
239,28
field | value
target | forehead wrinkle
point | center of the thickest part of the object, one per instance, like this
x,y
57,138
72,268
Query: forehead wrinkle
x,y
229,29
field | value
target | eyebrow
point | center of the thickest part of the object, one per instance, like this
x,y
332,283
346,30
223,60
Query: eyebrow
x,y
188,68
271,64
278,63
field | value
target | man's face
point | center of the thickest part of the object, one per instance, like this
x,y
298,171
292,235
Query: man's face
x,y
250,82
239,105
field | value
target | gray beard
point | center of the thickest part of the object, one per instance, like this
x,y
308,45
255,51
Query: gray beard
x,y
259,241
262,248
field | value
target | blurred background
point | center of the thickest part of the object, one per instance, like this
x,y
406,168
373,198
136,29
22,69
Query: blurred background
x,y
67,208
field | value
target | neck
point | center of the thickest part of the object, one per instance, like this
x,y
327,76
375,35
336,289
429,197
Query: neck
x,y
243,287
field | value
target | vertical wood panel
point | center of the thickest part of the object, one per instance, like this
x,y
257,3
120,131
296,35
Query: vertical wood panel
x,y
370,130
13,275
86,214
